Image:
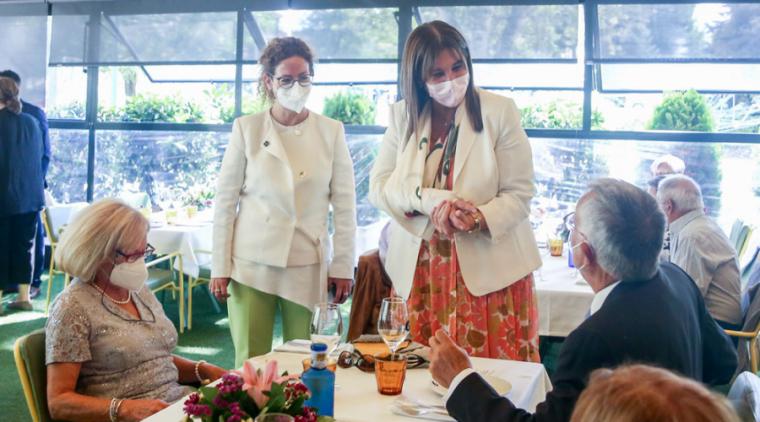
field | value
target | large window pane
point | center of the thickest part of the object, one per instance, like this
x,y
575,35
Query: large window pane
x,y
529,75
675,76
709,30
169,37
547,32
332,33
729,174
134,95
67,175
178,37
370,220
69,38
66,93
721,113
173,168
550,109
24,46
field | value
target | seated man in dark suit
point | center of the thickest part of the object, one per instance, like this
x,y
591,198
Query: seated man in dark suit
x,y
642,312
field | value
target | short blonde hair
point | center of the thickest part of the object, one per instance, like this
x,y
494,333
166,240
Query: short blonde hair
x,y
96,234
645,393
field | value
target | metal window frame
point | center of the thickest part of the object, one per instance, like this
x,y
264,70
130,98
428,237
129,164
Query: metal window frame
x,y
405,12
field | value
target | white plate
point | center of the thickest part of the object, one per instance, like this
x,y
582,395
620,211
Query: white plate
x,y
500,385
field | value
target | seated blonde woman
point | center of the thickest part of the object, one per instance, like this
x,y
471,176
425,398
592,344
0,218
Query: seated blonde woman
x,y
645,393
108,342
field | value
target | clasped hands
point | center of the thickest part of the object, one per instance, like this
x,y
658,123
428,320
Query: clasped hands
x,y
451,216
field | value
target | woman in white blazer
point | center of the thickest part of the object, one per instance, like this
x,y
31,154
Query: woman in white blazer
x,y
282,171
455,173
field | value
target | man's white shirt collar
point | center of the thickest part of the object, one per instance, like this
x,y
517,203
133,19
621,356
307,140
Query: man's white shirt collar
x,y
600,297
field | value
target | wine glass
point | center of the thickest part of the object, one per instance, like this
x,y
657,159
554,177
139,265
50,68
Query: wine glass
x,y
326,325
392,324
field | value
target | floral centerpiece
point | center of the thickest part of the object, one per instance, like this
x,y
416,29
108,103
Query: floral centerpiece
x,y
198,196
240,396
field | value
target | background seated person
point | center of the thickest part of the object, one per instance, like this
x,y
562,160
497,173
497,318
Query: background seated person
x,y
701,248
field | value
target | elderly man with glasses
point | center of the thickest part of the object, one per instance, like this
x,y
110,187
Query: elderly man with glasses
x,y
642,311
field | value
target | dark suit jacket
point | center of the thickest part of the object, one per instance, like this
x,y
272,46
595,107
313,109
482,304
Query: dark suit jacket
x,y
662,322
42,121
21,151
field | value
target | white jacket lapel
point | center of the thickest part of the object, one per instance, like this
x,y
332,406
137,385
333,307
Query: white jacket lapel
x,y
465,139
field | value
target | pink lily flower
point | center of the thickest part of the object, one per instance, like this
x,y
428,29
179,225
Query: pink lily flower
x,y
255,383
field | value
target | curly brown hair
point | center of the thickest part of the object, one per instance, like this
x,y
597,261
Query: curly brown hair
x,y
277,50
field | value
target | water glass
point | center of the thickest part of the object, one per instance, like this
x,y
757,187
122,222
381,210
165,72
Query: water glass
x,y
390,372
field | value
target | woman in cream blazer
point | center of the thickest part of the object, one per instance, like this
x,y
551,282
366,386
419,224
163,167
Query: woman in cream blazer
x,y
461,248
282,171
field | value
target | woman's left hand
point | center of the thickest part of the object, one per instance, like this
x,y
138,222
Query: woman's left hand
x,y
342,288
463,215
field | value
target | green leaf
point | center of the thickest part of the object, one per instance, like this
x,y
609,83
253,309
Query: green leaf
x,y
209,393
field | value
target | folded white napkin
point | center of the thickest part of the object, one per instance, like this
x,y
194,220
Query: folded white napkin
x,y
295,346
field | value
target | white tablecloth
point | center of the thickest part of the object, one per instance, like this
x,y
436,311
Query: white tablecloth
x,y
185,239
357,399
564,298
63,214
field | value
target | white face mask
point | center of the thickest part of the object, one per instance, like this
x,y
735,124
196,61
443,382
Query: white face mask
x,y
573,249
293,98
130,275
450,93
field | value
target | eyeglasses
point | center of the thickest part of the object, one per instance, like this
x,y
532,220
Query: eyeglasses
x,y
288,81
150,250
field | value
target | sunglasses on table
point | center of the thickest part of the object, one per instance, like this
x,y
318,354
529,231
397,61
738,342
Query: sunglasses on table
x,y
366,363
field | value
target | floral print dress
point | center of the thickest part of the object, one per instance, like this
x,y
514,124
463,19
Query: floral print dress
x,y
502,324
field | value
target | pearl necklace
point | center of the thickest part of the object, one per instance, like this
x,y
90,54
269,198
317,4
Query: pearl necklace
x,y
119,302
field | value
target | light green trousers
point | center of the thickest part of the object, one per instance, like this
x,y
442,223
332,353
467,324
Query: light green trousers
x,y
252,314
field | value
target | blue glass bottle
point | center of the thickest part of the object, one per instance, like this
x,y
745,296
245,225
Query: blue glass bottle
x,y
320,381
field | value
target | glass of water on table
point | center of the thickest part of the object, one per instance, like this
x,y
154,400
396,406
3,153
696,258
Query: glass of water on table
x,y
326,325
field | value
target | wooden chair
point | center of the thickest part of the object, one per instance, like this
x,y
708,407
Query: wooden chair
x,y
162,279
53,239
751,344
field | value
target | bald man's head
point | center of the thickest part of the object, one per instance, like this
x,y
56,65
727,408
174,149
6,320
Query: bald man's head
x,y
679,195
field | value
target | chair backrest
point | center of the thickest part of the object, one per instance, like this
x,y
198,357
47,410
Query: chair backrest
x,y
29,353
47,223
740,232
745,396
745,242
736,229
751,270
